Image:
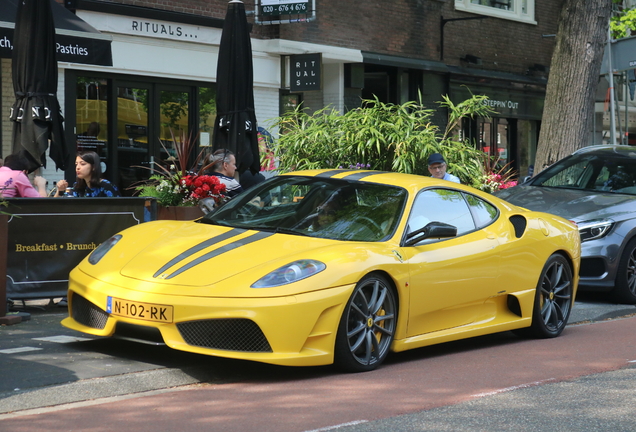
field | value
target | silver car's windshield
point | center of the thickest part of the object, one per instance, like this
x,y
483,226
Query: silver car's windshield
x,y
592,172
316,207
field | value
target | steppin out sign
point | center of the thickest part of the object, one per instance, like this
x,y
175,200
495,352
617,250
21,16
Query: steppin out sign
x,y
502,104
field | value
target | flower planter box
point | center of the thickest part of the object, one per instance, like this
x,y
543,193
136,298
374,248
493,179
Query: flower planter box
x,y
178,213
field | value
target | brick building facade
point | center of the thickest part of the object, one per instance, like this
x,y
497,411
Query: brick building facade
x,y
394,50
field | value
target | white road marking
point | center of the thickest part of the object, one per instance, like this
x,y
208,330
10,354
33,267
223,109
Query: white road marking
x,y
62,339
328,428
19,350
522,386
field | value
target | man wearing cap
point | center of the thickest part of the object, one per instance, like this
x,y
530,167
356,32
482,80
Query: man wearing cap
x,y
437,168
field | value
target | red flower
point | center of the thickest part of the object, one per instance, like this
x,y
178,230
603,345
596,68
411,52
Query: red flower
x,y
198,187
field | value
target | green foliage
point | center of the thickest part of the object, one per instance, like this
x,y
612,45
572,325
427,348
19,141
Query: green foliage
x,y
3,203
165,189
622,21
387,137
174,106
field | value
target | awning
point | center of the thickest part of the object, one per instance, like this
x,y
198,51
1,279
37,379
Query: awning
x,y
404,62
77,41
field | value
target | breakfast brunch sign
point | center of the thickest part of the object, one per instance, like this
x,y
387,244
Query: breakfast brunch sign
x,y
48,237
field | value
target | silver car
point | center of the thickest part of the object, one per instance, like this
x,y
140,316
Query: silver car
x,y
595,187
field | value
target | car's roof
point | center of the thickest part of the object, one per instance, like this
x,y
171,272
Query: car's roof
x,y
607,149
382,177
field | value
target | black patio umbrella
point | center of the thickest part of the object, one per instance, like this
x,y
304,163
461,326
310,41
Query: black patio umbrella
x,y
36,111
235,128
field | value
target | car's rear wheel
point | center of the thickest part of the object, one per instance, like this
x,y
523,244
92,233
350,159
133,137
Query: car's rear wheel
x,y
367,326
553,299
625,285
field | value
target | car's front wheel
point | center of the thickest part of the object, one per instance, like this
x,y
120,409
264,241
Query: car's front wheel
x,y
625,286
553,299
367,326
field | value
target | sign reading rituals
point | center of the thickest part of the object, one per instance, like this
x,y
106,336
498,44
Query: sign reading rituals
x,y
306,72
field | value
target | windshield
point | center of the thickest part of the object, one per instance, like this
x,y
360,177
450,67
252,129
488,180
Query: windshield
x,y
609,172
316,207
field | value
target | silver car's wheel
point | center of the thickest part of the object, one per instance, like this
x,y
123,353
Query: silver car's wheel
x,y
367,326
553,299
625,285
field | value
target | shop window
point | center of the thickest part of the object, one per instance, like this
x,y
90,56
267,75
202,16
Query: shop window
x,y
518,10
174,111
132,137
130,123
91,119
289,102
207,115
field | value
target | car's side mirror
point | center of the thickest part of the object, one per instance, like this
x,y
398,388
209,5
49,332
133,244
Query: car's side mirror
x,y
431,230
526,179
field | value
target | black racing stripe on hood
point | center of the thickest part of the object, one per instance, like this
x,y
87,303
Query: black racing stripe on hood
x,y
333,172
227,248
194,249
361,175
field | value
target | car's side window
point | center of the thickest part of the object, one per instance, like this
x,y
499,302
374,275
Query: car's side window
x,y
572,176
441,205
483,212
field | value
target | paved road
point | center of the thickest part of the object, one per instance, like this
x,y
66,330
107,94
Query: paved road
x,y
424,385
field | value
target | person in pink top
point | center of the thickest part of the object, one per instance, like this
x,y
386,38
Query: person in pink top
x,y
14,182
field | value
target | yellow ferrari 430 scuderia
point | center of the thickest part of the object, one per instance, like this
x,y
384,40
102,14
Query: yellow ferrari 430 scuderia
x,y
340,266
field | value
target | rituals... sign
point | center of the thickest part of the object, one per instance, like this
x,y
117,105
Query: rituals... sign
x,y
306,72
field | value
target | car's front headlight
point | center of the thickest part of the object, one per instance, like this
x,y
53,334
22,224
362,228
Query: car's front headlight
x,y
103,248
289,273
596,229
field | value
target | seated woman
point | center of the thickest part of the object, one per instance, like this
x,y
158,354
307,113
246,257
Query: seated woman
x,y
14,181
89,179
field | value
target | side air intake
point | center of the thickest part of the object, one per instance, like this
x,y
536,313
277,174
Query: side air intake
x,y
519,223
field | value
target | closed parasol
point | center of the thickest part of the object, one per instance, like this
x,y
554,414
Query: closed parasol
x,y
36,112
235,128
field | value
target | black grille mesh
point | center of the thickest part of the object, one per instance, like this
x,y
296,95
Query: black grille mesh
x,y
592,267
519,223
86,313
232,334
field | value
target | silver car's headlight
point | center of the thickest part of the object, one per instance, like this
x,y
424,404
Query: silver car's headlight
x,y
596,229
103,248
289,273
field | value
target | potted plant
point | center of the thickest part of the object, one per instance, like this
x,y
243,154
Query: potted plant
x,y
497,176
180,186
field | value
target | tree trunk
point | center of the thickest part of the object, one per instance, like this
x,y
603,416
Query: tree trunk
x,y
574,75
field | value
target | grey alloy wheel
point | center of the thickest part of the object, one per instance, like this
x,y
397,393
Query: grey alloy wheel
x,y
367,326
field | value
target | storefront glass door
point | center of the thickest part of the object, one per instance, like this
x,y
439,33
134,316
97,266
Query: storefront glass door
x,y
91,119
494,138
133,123
134,156
174,120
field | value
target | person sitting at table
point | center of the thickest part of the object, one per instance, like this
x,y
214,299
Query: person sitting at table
x,y
89,181
14,182
222,164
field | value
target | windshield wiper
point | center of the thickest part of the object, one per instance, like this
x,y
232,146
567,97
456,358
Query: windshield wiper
x,y
277,230
213,222
283,230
